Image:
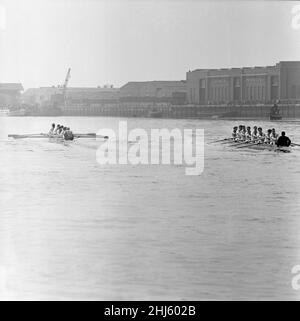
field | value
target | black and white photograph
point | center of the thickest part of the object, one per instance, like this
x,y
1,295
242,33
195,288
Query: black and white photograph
x,y
149,152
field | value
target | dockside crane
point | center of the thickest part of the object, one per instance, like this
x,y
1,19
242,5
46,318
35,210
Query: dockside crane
x,y
65,85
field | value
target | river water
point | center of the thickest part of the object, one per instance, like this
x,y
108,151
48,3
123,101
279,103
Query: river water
x,y
71,228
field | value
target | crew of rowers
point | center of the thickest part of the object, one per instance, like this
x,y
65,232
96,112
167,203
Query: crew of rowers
x,y
61,132
245,134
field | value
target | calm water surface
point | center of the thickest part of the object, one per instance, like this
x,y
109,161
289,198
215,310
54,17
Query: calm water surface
x,y
73,229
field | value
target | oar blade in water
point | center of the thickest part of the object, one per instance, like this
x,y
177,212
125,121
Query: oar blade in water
x,y
220,140
28,136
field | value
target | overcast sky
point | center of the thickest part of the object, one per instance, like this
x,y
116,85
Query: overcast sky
x,y
118,41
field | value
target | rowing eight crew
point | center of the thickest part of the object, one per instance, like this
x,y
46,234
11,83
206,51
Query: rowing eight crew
x,y
61,132
243,134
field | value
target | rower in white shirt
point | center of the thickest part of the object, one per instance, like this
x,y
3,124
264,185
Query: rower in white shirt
x,y
268,137
62,132
234,134
51,131
274,137
57,129
239,132
243,133
248,134
261,136
254,134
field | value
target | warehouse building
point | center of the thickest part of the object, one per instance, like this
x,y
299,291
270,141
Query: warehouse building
x,y
10,94
92,95
248,85
74,95
39,96
173,92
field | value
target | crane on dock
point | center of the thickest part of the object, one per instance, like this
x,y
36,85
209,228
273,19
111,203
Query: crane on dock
x,y
65,85
59,99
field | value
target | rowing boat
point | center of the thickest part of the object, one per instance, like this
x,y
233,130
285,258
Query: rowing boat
x,y
261,146
60,140
39,136
284,149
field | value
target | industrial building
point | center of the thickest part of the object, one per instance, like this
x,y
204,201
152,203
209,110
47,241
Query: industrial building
x,y
248,85
92,95
10,94
173,92
74,95
39,96
247,92
90,101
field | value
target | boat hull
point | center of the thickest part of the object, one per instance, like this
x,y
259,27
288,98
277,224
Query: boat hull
x,y
239,145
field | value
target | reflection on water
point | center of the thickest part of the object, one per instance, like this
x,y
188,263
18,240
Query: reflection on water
x,y
72,229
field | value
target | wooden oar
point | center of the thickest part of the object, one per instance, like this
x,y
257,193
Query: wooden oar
x,y
227,142
238,143
12,135
27,136
40,134
220,140
90,136
54,136
294,144
247,145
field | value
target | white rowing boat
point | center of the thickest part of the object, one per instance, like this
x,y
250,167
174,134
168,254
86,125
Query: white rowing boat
x,y
40,136
284,149
255,146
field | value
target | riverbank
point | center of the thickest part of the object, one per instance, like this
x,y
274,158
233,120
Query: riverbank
x,y
166,110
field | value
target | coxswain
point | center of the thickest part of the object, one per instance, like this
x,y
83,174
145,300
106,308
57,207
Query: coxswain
x,y
283,140
274,137
234,133
260,136
51,131
68,134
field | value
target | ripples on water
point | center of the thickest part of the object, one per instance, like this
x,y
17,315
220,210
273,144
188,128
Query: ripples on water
x,y
72,229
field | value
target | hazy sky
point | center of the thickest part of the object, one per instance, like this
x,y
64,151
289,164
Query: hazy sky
x,y
118,41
